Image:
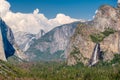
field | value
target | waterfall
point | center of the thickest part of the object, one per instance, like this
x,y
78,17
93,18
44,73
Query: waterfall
x,y
28,44
95,56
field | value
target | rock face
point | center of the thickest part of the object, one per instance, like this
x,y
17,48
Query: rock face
x,y
7,47
111,45
7,40
2,53
106,17
52,44
24,39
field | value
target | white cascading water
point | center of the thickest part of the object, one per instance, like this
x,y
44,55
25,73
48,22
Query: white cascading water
x,y
94,59
28,44
95,55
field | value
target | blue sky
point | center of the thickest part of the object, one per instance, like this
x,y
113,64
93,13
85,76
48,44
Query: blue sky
x,y
80,9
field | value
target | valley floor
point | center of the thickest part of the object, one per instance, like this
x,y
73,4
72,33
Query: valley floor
x,y
58,71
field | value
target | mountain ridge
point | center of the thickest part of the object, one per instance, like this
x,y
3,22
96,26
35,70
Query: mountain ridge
x,y
103,29
54,42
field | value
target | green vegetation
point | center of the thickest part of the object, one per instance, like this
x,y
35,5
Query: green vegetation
x,y
75,51
100,36
57,71
10,71
60,71
116,59
97,37
46,55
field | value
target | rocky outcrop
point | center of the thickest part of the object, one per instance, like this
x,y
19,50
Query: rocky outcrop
x,y
40,34
52,44
107,17
111,45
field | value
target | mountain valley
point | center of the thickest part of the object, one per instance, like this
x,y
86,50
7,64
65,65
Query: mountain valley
x,y
81,50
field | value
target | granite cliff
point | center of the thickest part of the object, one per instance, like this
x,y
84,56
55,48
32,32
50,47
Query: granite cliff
x,y
51,46
8,46
104,30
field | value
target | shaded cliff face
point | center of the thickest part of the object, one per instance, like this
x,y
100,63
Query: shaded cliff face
x,y
107,17
8,46
52,45
7,39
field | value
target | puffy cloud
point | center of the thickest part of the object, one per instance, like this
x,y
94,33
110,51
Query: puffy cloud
x,y
118,1
4,7
36,11
60,19
31,22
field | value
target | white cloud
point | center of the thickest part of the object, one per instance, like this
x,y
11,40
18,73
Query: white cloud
x,y
36,11
31,22
4,7
62,19
118,1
